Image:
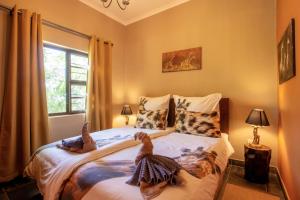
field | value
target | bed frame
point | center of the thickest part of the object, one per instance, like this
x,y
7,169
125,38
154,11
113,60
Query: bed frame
x,y
224,114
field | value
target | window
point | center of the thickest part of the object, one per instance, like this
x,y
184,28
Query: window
x,y
66,77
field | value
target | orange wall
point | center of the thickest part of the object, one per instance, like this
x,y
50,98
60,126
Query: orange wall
x,y
238,38
289,106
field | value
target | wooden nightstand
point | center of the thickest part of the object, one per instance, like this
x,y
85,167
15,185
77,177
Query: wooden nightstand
x,y
257,160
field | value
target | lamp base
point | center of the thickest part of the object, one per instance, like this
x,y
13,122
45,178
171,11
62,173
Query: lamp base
x,y
256,137
127,120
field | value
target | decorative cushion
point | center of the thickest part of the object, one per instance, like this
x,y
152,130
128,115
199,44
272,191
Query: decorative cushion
x,y
154,103
197,123
152,119
153,112
205,104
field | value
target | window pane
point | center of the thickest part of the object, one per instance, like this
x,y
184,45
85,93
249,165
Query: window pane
x,y
78,104
55,70
79,60
78,97
78,74
78,90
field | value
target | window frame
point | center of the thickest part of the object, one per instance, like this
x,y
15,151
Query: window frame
x,y
69,81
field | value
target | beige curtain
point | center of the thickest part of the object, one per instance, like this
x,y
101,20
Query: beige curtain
x,y
4,25
99,99
24,118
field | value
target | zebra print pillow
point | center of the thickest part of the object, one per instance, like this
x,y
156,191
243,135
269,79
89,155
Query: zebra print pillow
x,y
152,119
198,123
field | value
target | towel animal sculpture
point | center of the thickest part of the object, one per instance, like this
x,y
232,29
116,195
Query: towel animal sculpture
x,y
83,144
153,172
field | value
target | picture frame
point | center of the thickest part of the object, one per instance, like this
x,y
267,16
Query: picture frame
x,y
287,54
182,60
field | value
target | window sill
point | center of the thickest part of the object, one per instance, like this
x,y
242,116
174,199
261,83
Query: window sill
x,y
65,115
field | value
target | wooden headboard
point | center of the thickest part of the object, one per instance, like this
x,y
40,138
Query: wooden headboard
x,y
224,114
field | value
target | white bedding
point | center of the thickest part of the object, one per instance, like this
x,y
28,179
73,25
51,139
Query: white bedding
x,y
52,166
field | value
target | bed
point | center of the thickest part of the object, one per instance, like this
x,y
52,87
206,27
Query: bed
x,y
102,174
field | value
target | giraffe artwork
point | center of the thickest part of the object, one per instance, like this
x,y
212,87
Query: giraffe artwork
x,y
182,60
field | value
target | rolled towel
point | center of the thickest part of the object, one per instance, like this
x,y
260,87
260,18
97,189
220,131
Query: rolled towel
x,y
153,172
146,149
83,144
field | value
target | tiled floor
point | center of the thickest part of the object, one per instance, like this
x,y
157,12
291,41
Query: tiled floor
x,y
25,189
235,175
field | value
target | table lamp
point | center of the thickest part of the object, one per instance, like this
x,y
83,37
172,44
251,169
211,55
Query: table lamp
x,y
126,111
257,118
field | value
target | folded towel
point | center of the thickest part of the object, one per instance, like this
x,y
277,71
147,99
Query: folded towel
x,y
83,144
153,172
154,169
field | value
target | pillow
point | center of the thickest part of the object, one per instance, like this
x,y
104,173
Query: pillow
x,y
198,123
153,112
152,119
154,103
205,104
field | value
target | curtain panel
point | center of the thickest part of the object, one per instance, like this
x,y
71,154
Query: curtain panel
x,y
24,117
4,38
99,94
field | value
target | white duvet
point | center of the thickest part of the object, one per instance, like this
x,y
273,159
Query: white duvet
x,y
51,167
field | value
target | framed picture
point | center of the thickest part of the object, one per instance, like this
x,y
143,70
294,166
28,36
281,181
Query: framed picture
x,y
287,54
182,60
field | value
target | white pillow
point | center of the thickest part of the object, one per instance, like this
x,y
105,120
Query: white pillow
x,y
155,103
205,104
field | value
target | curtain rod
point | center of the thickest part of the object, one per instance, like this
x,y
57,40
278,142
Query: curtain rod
x,y
59,27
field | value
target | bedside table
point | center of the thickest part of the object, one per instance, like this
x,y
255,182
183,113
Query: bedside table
x,y
257,160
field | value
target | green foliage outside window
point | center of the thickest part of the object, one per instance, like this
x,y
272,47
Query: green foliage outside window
x,y
66,76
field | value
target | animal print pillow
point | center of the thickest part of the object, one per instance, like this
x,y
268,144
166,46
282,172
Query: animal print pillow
x,y
153,112
197,123
154,103
205,104
152,119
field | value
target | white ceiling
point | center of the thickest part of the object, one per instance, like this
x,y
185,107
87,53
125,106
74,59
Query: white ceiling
x,y
137,10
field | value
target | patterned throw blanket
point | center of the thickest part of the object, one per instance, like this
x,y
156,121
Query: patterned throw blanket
x,y
152,172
